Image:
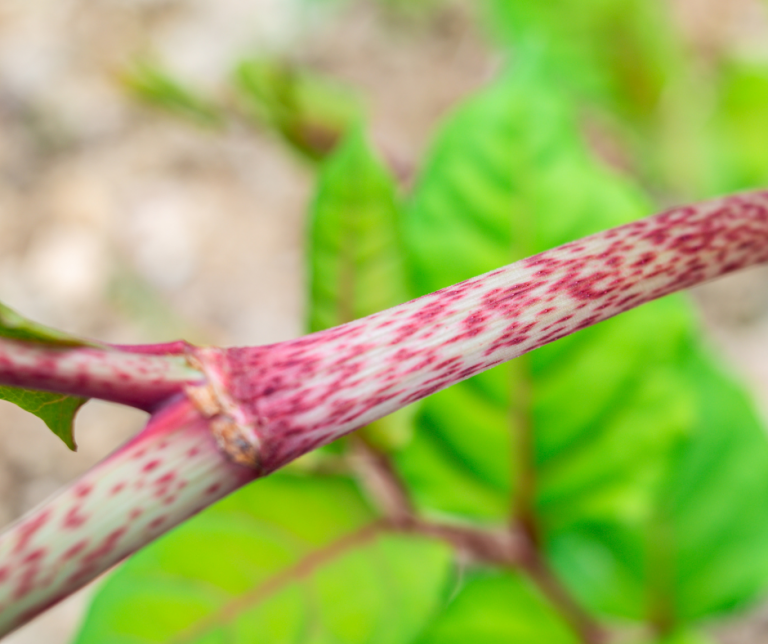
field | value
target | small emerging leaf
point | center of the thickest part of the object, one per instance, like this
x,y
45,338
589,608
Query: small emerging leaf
x,y
355,253
156,87
55,410
16,327
354,249
310,112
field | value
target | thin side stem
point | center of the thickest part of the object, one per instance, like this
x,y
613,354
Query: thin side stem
x,y
128,377
537,569
524,492
380,478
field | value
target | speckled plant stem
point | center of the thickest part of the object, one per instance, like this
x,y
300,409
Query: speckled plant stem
x,y
128,375
167,473
298,395
267,405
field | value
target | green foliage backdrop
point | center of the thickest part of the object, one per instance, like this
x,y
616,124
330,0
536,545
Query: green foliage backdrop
x,y
630,465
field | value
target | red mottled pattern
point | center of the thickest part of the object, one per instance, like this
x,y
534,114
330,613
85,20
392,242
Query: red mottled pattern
x,y
131,377
304,393
300,394
167,473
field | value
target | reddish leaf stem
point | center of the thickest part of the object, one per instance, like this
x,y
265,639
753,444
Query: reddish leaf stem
x,y
123,376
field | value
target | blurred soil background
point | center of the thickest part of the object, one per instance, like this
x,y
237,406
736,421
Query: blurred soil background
x,y
121,223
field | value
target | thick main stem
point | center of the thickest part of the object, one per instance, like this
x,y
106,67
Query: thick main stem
x,y
291,397
298,395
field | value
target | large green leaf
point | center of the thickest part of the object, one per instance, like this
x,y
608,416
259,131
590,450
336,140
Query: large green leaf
x,y
603,423
57,411
508,177
704,549
287,559
495,607
622,52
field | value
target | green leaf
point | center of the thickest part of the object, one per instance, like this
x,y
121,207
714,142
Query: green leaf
x,y
495,607
684,637
739,124
703,551
309,111
508,177
649,470
287,559
16,327
355,258
57,411
623,53
155,86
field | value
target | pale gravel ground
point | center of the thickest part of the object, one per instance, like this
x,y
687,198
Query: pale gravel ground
x,y
120,224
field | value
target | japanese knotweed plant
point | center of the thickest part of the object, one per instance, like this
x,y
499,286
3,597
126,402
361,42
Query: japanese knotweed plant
x,y
613,482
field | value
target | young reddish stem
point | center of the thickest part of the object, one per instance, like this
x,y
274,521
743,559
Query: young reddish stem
x,y
119,375
267,405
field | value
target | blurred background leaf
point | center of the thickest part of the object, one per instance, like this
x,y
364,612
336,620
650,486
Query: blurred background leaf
x,y
739,127
309,111
600,425
494,607
157,87
276,562
619,52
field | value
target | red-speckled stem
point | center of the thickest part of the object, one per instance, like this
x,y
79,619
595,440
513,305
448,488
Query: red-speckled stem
x,y
129,377
289,398
167,473
298,395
